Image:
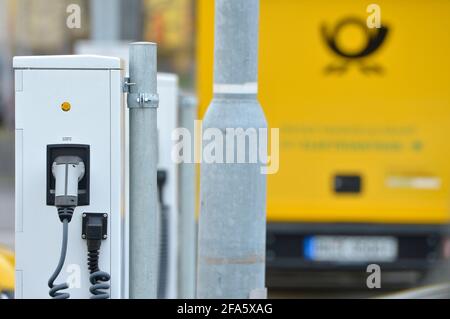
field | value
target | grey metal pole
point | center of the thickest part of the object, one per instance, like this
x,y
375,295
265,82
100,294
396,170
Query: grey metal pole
x,y
113,20
105,19
6,74
232,230
187,224
132,18
143,102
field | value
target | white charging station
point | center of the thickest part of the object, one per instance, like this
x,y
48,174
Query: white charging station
x,y
69,110
168,120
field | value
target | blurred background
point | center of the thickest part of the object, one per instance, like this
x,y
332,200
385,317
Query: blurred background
x,y
360,92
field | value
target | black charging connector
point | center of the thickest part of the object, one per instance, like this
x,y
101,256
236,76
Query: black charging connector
x,y
161,179
59,150
94,230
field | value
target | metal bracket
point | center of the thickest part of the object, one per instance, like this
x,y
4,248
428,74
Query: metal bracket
x,y
137,100
127,84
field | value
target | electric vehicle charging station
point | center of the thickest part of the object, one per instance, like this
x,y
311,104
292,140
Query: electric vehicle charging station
x,y
70,166
169,185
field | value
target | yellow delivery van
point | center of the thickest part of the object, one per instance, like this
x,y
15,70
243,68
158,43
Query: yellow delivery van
x,y
361,95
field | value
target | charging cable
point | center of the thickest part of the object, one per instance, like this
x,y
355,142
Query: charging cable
x,y
95,232
163,264
67,171
55,290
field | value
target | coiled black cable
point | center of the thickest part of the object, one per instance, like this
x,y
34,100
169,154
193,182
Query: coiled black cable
x,y
55,290
97,278
163,264
163,211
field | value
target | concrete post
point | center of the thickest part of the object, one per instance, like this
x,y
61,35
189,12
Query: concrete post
x,y
231,256
142,102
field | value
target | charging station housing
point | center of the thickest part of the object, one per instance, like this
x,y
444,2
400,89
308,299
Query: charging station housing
x,y
65,103
168,91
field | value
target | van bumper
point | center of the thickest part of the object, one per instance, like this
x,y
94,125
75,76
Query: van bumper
x,y
420,249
